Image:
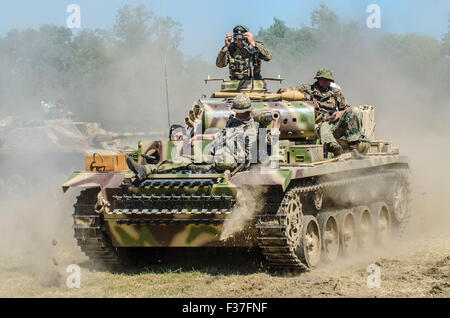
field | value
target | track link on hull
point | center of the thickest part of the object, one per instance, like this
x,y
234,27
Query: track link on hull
x,y
171,209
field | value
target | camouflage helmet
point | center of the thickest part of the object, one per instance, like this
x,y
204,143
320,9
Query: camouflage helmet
x,y
324,73
240,29
241,104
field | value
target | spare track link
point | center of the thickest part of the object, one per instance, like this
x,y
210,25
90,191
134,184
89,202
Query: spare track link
x,y
171,209
271,237
89,233
172,203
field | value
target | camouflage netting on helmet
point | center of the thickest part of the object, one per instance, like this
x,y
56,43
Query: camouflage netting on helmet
x,y
242,103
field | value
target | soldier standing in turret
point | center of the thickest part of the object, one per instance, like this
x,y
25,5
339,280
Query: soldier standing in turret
x,y
237,52
338,119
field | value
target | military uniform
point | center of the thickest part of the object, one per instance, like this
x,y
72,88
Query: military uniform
x,y
239,59
228,150
328,102
240,144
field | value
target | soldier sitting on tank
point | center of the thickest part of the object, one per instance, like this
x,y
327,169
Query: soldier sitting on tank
x,y
335,117
59,111
224,158
237,52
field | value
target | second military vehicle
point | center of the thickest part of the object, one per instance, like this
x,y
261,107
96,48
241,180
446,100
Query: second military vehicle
x,y
37,154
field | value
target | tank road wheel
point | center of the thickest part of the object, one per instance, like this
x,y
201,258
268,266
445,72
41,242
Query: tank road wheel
x,y
311,243
400,200
365,225
348,235
382,223
330,236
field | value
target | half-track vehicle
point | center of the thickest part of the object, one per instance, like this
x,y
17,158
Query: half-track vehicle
x,y
311,207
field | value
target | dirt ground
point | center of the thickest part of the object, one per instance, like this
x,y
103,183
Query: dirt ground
x,y
419,266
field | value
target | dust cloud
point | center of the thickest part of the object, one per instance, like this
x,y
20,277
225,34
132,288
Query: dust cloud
x,y
411,110
36,236
249,200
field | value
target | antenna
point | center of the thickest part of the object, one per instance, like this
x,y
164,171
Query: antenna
x,y
166,77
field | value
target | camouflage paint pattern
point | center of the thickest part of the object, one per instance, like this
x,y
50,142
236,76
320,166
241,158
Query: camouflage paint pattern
x,y
243,86
238,59
132,226
191,235
297,118
126,230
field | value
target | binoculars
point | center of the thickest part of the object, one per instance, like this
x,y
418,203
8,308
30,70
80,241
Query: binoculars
x,y
239,36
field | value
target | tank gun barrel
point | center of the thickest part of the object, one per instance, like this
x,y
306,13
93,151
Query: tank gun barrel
x,y
288,96
109,136
267,117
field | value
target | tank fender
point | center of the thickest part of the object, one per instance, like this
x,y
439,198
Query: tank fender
x,y
267,177
85,179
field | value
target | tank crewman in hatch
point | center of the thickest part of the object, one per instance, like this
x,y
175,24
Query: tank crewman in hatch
x,y
336,117
237,52
223,157
59,111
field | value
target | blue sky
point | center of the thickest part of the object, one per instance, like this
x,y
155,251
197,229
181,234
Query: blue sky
x,y
211,19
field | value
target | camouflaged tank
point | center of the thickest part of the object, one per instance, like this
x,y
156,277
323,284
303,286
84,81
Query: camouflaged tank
x,y
38,154
311,207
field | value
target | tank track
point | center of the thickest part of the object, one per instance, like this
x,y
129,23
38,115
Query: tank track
x,y
272,238
199,209
89,233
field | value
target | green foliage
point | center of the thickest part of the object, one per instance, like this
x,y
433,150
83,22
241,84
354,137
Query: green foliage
x,y
415,52
324,19
288,43
284,41
51,63
137,27
417,56
102,72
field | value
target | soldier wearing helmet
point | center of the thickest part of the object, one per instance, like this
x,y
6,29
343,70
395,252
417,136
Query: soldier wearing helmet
x,y
337,118
224,157
237,52
241,109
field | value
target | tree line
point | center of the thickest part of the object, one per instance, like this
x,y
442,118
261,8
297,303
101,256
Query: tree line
x,y
118,75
